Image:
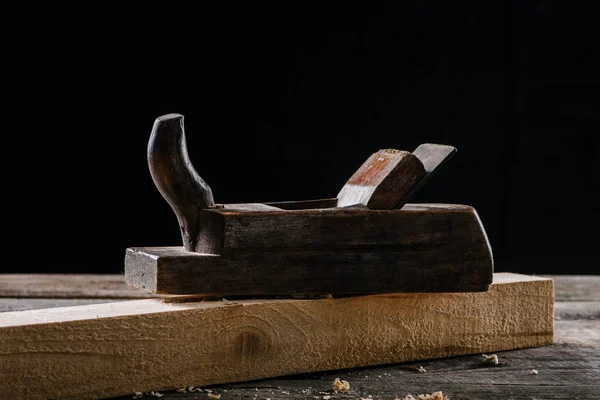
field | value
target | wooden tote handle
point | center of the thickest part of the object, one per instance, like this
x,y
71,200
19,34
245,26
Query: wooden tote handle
x,y
175,176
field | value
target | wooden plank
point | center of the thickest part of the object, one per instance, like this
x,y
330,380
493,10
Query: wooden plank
x,y
109,286
578,322
114,349
421,248
577,326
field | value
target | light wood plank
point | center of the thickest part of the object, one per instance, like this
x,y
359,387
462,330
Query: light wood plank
x,y
580,321
104,350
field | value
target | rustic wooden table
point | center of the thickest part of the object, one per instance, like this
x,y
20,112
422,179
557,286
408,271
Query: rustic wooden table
x,y
568,369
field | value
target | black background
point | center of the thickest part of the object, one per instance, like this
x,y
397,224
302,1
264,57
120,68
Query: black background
x,y
284,102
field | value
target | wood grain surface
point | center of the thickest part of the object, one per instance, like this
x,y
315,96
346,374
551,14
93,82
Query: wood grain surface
x,y
69,286
568,369
103,350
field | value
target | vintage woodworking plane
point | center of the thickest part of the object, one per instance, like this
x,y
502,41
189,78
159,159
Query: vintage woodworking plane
x,y
366,240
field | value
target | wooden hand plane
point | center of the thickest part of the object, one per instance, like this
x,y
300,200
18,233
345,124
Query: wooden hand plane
x,y
366,240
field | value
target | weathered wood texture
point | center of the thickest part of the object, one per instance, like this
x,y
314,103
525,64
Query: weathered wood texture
x,y
382,180
68,286
565,372
577,287
103,350
422,248
21,304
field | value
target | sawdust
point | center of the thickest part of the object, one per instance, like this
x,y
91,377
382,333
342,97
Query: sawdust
x,y
533,372
214,396
340,386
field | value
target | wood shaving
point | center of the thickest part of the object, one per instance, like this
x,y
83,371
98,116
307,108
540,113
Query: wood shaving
x,y
533,372
340,386
137,395
326,397
491,359
414,368
214,396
